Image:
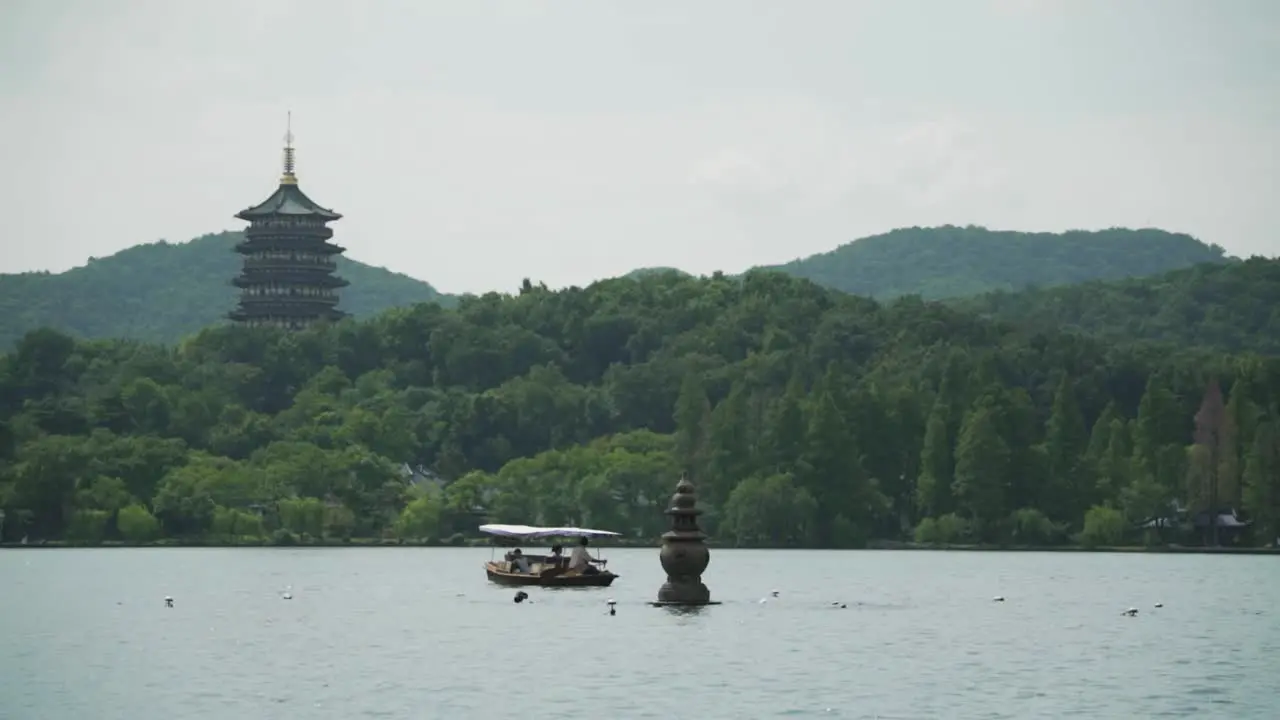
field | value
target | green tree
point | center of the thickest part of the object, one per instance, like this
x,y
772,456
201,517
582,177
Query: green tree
x,y
420,519
982,469
784,441
692,416
831,470
1100,436
937,460
731,449
137,524
1160,424
45,475
147,406
1144,499
1262,481
1065,493
1103,526
771,510
1029,526
1233,447
303,516
234,525
1117,466
108,494
948,529
88,527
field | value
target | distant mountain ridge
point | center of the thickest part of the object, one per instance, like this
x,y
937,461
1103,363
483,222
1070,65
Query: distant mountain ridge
x,y
950,261
1233,307
161,292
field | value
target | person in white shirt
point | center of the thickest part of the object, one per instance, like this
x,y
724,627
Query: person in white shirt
x,y
580,559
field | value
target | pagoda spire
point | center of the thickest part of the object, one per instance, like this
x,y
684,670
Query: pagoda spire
x,y
288,178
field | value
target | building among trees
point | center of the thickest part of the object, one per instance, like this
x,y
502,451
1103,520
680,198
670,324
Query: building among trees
x,y
288,277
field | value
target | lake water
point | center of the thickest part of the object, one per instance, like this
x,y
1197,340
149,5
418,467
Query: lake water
x,y
420,633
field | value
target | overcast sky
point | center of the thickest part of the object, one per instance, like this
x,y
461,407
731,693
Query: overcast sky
x,y
473,143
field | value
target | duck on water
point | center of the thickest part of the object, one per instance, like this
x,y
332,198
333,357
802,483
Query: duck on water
x,y
552,570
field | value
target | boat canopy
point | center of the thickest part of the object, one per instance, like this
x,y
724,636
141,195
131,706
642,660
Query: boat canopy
x,y
529,531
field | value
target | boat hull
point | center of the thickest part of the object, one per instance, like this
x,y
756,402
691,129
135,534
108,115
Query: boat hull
x,y
602,579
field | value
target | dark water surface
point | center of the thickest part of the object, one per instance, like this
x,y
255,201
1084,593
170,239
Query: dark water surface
x,y
420,633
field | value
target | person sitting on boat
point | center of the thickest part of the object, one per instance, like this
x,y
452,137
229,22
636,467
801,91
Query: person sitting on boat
x,y
580,559
518,561
557,556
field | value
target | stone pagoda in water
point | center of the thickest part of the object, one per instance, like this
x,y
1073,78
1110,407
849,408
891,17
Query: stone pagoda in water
x,y
288,277
684,551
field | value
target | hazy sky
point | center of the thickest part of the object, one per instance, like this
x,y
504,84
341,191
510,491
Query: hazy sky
x,y
472,143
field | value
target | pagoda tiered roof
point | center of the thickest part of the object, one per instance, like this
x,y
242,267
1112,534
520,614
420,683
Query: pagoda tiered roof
x,y
288,199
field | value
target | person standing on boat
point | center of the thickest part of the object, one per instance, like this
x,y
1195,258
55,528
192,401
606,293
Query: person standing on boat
x,y
580,560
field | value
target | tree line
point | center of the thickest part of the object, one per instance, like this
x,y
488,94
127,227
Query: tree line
x,y
807,418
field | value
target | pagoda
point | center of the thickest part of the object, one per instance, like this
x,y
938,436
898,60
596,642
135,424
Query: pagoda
x,y
684,553
288,278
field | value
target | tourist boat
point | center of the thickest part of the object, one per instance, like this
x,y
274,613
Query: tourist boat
x,y
544,570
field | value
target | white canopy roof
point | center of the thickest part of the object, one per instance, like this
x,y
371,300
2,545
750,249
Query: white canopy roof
x,y
529,531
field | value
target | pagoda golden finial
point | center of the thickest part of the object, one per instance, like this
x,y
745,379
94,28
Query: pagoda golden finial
x,y
288,178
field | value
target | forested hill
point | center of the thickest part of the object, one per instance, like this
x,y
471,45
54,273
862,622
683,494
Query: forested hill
x,y
946,262
639,273
1234,307
805,416
163,292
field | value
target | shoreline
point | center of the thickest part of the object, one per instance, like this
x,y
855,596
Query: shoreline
x,y
879,546
1136,549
